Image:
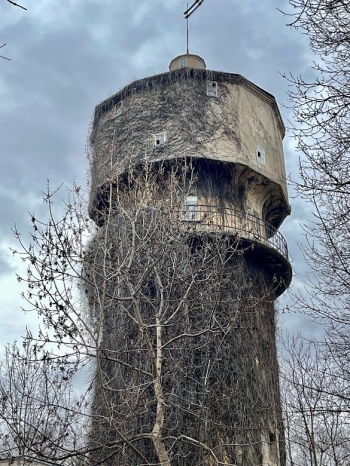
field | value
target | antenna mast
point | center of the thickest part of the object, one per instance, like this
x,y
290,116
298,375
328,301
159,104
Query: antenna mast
x,y
187,31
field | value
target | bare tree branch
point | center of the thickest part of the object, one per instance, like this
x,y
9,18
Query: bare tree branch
x,y
1,56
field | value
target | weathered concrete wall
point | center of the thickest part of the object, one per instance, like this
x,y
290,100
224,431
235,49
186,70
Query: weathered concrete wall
x,y
228,128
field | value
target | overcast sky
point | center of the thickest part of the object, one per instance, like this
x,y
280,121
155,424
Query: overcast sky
x,y
68,55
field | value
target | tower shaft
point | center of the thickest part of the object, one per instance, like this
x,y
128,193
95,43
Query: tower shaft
x,y
196,340
188,190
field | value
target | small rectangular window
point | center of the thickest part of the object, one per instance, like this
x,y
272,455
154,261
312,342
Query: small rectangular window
x,y
260,155
212,89
183,62
118,108
191,208
199,64
159,139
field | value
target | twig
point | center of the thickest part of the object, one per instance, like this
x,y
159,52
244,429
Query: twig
x,y
1,56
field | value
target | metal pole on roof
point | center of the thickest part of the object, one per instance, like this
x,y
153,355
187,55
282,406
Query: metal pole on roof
x,y
187,31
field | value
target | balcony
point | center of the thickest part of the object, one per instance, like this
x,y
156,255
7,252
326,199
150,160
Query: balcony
x,y
266,247
247,226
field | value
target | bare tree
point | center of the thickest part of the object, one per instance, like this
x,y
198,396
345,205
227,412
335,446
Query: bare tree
x,y
317,406
317,375
166,314
38,410
322,111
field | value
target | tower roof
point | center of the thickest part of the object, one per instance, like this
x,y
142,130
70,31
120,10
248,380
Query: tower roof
x,y
187,60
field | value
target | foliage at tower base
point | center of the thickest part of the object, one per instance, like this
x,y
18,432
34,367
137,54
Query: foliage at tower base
x,y
176,320
187,373
186,368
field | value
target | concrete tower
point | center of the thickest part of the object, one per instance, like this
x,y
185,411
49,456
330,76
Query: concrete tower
x,y
196,153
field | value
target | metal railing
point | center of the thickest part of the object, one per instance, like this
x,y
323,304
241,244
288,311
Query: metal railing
x,y
244,224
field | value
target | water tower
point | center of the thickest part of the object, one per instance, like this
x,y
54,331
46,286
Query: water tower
x,y
225,133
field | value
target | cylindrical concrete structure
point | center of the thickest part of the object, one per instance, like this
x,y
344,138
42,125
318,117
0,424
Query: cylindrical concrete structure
x,y
229,132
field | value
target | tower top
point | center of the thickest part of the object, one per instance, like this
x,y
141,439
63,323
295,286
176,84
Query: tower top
x,y
187,60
